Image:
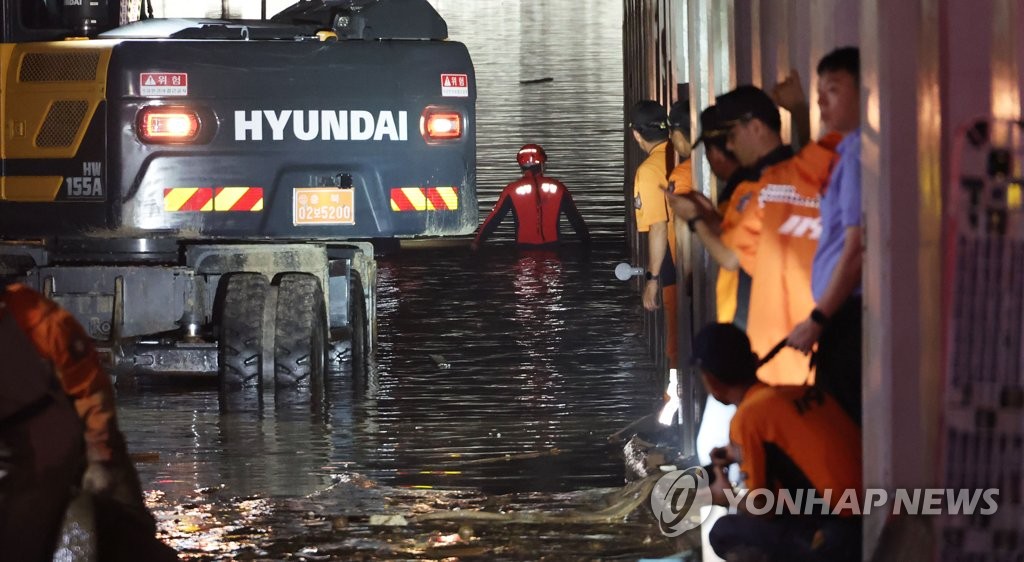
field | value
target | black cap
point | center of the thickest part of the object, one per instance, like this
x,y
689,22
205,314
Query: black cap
x,y
747,102
679,116
649,118
710,128
724,351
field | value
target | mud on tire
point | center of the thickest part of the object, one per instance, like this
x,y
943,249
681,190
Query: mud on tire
x,y
240,346
300,333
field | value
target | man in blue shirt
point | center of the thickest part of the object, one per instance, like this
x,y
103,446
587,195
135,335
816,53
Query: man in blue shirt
x,y
835,323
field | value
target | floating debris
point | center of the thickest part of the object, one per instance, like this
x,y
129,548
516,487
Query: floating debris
x,y
537,80
605,523
388,521
554,451
440,361
619,504
150,456
445,540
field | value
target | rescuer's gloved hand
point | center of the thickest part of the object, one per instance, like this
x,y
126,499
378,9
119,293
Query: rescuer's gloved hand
x,y
116,481
98,478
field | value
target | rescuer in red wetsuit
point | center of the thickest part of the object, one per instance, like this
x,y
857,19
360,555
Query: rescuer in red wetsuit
x,y
536,202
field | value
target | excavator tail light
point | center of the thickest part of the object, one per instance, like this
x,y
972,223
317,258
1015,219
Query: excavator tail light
x,y
164,124
440,125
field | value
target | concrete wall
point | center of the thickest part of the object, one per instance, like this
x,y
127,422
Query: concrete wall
x,y
902,274
931,67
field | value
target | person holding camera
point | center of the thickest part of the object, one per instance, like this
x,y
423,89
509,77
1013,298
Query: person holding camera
x,y
785,438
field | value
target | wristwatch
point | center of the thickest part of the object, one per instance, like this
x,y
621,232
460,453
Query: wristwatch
x,y
650,276
819,318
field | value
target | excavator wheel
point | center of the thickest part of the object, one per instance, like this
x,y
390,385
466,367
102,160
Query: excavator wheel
x,y
240,346
357,314
300,334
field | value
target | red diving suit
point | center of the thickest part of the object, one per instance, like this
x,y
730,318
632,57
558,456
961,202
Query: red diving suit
x,y
536,202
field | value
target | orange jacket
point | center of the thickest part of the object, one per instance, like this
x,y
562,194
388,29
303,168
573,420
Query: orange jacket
x,y
61,340
774,229
794,437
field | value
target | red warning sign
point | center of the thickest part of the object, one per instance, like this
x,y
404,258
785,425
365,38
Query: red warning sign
x,y
163,84
455,85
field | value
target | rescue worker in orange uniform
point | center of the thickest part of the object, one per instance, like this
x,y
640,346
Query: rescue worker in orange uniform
x,y
536,202
651,130
722,162
732,287
53,393
771,227
794,438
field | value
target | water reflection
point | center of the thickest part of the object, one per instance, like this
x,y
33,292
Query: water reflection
x,y
514,366
540,358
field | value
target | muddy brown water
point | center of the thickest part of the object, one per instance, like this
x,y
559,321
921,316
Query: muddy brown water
x,y
498,376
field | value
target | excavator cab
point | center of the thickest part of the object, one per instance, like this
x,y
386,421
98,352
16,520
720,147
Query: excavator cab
x,y
42,20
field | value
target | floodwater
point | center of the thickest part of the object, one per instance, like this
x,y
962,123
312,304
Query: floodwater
x,y
498,376
577,117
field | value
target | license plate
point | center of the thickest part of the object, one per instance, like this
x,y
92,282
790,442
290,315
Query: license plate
x,y
323,205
